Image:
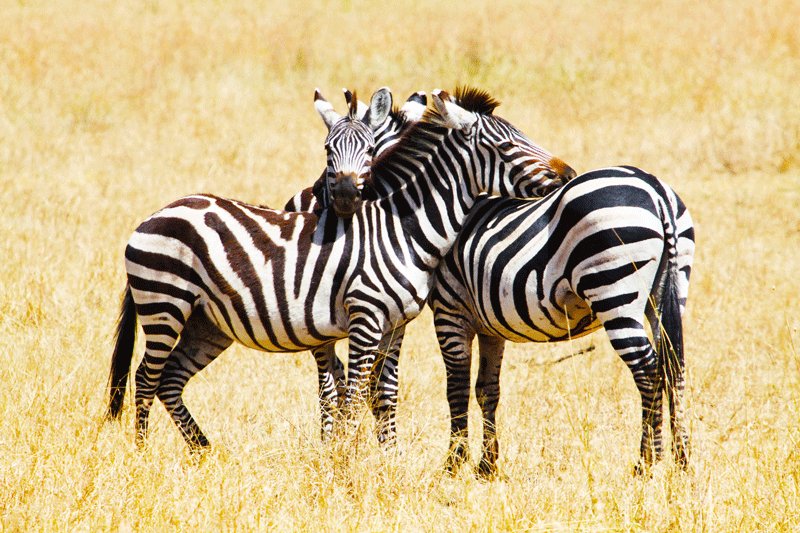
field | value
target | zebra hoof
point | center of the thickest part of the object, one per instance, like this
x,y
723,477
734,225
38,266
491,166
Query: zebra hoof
x,y
454,462
643,469
486,471
682,457
458,455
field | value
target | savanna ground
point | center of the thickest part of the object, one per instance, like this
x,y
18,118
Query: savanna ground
x,y
109,110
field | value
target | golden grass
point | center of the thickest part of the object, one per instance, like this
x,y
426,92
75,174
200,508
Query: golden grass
x,y
109,110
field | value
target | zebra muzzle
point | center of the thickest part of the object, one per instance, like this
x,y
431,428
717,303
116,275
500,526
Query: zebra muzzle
x,y
346,196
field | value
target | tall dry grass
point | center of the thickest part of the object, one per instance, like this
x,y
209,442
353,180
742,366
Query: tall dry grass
x,y
109,110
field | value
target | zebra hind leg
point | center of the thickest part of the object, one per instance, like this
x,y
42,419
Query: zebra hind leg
x,y
629,339
161,333
667,327
200,343
487,392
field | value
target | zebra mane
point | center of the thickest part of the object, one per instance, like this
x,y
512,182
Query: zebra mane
x,y
469,98
416,138
475,100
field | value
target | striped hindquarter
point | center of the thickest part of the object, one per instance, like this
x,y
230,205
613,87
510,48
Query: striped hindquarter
x,y
210,268
612,249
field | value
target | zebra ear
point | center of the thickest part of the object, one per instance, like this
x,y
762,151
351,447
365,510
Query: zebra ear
x,y
361,109
379,108
415,106
325,110
453,115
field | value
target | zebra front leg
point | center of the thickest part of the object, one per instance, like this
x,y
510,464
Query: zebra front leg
x,y
365,333
201,342
487,392
329,383
629,340
455,343
384,386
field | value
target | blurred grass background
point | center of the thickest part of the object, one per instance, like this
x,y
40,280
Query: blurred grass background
x,y
109,110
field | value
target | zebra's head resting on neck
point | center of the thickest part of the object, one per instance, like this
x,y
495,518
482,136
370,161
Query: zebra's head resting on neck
x,y
350,146
517,166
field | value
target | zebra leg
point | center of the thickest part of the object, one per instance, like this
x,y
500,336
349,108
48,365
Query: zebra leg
x,y
365,332
455,343
339,378
384,385
161,333
667,330
674,384
487,391
629,339
200,343
329,383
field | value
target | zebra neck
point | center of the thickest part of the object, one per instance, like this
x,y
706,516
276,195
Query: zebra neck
x,y
428,182
391,132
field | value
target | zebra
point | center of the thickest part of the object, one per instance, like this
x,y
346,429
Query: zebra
x,y
612,247
448,115
205,271
206,340
383,385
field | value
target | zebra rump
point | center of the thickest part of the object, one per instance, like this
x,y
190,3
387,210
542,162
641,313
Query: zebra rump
x,y
612,247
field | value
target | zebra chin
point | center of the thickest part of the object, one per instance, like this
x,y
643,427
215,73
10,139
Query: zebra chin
x,y
346,206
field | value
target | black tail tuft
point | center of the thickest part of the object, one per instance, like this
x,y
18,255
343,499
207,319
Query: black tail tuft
x,y
123,354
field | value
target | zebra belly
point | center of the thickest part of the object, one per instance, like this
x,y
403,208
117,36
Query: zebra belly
x,y
286,331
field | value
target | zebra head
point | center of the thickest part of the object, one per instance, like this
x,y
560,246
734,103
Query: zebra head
x,y
510,163
350,146
388,133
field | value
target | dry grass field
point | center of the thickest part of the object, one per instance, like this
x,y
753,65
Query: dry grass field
x,y
109,110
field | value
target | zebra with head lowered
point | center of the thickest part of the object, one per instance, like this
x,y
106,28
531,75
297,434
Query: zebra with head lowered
x,y
612,249
204,271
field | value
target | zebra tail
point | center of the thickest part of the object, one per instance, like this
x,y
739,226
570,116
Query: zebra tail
x,y
123,354
670,342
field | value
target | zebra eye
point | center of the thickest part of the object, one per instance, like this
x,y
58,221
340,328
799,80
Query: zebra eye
x,y
506,145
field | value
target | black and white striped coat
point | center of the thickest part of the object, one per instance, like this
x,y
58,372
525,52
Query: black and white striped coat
x,y
613,249
209,271
384,382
